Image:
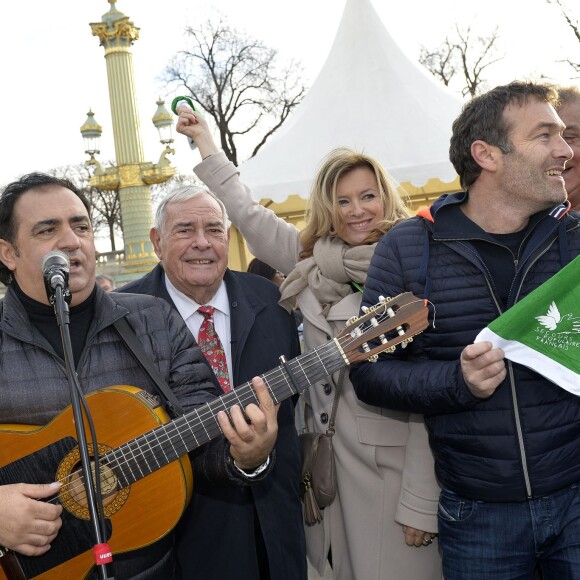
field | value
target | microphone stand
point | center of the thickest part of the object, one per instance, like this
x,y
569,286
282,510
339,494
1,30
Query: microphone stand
x,y
101,550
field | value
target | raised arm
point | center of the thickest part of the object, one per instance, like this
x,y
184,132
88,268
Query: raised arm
x,y
270,238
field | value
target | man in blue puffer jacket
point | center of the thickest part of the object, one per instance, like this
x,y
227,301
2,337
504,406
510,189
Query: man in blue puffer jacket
x,y
506,440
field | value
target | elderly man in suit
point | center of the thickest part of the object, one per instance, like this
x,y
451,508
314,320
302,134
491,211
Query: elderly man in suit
x,y
252,532
569,111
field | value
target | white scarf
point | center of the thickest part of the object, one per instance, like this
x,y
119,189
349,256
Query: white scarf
x,y
328,272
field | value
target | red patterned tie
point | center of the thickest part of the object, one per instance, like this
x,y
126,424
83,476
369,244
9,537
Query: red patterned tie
x,y
212,348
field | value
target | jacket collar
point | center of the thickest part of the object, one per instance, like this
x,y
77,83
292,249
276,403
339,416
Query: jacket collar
x,y
15,321
448,222
152,283
244,303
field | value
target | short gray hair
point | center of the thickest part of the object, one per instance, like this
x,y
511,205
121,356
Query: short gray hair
x,y
181,194
103,277
567,95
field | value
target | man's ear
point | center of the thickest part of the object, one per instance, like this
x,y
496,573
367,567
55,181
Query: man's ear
x,y
8,255
485,155
155,240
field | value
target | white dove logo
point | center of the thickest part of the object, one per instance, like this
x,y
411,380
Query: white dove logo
x,y
566,324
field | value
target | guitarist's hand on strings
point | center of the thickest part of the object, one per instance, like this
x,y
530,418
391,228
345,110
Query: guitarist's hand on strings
x,y
27,525
251,443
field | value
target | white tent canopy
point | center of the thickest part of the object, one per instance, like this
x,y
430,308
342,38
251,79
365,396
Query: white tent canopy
x,y
368,96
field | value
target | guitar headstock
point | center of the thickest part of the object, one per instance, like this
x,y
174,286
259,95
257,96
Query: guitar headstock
x,y
392,321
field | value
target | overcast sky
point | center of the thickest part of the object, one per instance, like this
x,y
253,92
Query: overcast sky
x,y
53,69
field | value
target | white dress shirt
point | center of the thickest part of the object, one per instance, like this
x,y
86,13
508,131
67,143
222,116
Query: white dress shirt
x,y
221,318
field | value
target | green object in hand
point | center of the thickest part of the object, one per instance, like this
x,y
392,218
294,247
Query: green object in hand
x,y
178,99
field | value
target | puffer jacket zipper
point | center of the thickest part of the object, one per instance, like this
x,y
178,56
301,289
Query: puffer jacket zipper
x,y
489,281
512,378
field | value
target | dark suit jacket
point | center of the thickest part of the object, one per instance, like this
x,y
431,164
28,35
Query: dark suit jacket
x,y
219,534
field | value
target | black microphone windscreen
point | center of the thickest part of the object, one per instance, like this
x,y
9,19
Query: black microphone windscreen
x,y
55,258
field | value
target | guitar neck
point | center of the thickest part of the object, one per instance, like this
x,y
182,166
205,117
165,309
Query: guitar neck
x,y
145,454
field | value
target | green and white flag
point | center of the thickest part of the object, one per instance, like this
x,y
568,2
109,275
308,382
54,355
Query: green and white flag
x,y
543,330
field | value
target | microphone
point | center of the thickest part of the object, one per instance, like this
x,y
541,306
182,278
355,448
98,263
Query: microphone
x,y
55,269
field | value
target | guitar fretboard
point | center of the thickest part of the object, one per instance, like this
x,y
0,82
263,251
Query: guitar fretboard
x,y
145,454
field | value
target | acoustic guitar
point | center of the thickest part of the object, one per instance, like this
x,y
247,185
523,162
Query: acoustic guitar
x,y
145,473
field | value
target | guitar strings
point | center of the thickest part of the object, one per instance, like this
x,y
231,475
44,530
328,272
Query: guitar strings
x,y
273,382
174,427
172,432
277,378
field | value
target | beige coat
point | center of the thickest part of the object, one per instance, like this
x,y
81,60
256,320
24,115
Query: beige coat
x,y
384,464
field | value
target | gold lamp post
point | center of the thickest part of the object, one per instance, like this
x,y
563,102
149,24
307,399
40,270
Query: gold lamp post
x,y
131,175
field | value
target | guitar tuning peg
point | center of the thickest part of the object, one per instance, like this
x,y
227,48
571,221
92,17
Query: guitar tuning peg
x,y
365,309
399,329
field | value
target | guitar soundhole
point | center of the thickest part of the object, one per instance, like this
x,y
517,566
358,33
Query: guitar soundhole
x,y
73,494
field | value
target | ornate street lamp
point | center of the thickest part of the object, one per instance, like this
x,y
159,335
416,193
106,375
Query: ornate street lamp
x,y
91,132
131,175
163,120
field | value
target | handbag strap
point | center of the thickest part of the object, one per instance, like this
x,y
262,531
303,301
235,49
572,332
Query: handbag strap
x,y
128,335
336,400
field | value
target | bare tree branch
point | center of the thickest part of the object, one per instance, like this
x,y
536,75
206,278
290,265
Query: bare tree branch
x,y
439,62
574,26
460,52
473,67
237,81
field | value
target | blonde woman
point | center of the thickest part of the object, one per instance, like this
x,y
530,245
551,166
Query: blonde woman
x,y
387,493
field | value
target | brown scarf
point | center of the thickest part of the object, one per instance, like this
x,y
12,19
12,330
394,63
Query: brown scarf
x,y
328,272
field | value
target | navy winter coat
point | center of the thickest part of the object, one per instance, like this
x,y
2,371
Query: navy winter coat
x,y
521,442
